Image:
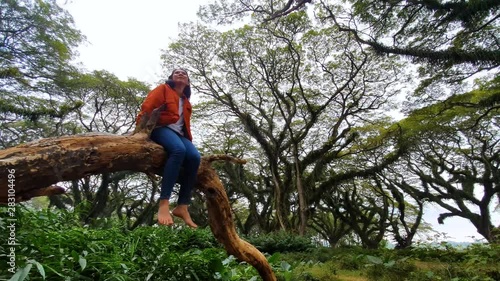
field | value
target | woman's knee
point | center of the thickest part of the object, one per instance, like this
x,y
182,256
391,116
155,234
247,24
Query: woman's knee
x,y
193,156
177,151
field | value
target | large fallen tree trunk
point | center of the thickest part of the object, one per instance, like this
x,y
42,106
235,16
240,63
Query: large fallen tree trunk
x,y
33,169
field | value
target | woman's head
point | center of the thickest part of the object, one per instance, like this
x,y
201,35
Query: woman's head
x,y
177,76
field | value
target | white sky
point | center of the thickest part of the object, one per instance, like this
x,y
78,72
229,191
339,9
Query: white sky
x,y
125,38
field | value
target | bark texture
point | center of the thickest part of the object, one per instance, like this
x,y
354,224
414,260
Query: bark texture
x,y
38,166
35,168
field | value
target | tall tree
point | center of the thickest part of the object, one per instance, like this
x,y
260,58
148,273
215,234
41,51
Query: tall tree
x,y
248,192
297,91
407,207
455,155
37,44
365,207
448,41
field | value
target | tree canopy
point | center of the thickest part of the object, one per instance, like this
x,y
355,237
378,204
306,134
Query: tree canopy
x,y
354,117
449,40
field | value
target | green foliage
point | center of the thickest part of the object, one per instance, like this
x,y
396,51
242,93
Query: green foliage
x,y
457,112
443,252
351,262
281,241
388,269
58,247
482,260
53,246
481,254
39,37
449,144
37,49
316,272
42,94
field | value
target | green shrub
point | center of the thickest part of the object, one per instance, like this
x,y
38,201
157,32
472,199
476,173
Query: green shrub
x,y
282,242
388,270
478,254
424,275
351,262
176,239
444,253
321,254
54,246
315,272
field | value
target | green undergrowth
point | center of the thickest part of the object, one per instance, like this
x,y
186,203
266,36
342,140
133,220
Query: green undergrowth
x,y
54,245
476,262
281,241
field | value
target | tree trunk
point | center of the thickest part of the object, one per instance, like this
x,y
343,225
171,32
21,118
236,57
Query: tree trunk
x,y
301,194
278,204
33,169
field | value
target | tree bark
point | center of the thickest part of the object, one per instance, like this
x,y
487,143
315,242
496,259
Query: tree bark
x,y
301,194
34,169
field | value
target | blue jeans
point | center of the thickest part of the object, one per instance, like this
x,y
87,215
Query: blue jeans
x,y
181,152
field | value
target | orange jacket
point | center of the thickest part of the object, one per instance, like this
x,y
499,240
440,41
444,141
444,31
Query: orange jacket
x,y
163,94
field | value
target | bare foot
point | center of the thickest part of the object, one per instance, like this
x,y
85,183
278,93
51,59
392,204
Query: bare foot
x,y
164,216
181,211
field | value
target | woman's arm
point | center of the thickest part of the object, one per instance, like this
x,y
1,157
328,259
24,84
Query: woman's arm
x,y
154,99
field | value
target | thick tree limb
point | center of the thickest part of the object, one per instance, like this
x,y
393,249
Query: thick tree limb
x,y
37,166
221,221
34,169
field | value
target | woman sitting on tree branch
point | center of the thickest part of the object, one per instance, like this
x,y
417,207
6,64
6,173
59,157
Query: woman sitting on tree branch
x,y
173,132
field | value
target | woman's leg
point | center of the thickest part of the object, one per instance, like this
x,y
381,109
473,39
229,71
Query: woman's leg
x,y
191,164
176,150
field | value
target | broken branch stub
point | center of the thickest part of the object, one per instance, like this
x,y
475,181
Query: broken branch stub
x,y
148,121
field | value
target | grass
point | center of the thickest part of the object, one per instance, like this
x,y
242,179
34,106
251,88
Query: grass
x,y
429,265
347,275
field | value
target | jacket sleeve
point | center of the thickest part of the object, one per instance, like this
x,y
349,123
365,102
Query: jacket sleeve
x,y
154,99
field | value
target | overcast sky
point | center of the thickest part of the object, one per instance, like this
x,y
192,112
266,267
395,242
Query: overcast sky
x,y
125,38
